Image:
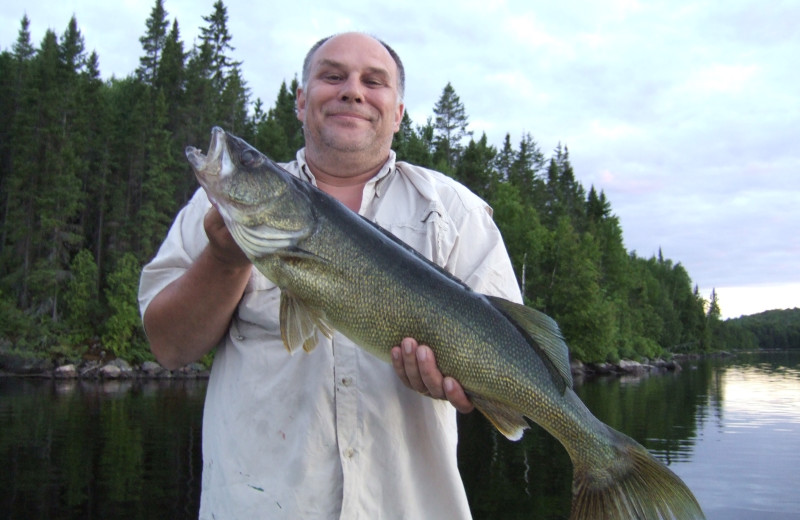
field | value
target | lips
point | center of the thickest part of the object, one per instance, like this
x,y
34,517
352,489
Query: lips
x,y
349,114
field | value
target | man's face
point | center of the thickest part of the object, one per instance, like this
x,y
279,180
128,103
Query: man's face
x,y
351,102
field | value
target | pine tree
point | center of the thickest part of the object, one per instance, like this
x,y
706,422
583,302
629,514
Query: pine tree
x,y
712,322
216,44
474,167
565,196
158,206
414,145
171,77
504,159
233,105
525,170
82,299
450,128
123,334
153,43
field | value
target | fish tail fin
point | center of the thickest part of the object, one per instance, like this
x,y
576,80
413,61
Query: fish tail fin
x,y
635,485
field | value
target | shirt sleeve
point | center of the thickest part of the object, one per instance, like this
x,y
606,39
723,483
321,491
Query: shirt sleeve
x,y
185,241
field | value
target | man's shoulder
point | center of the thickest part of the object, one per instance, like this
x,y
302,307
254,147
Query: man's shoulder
x,y
432,182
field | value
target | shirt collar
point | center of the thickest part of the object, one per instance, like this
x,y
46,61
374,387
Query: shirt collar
x,y
375,187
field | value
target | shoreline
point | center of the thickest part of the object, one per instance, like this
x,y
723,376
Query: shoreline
x,y
95,369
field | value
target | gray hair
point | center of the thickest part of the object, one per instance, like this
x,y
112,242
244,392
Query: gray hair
x,y
401,71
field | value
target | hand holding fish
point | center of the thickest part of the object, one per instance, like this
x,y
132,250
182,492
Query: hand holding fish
x,y
221,243
416,367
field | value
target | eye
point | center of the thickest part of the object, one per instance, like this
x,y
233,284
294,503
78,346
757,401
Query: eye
x,y
250,158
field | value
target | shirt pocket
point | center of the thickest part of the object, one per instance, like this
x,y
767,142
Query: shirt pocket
x,y
430,234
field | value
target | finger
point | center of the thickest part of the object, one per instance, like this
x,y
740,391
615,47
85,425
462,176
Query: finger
x,y
222,243
399,367
454,393
429,373
410,366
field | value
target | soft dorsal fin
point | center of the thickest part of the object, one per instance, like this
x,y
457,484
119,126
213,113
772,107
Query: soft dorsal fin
x,y
544,333
300,325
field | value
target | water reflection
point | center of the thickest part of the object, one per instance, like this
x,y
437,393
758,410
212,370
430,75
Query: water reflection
x,y
729,427
128,450
113,449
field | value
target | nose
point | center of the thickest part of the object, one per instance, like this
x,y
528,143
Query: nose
x,y
352,90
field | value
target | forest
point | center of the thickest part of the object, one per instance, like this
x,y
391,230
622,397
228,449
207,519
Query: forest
x,y
92,174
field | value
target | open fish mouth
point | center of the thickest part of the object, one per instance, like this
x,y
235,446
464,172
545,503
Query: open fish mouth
x,y
211,163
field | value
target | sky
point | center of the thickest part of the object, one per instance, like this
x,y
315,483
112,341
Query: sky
x,y
685,113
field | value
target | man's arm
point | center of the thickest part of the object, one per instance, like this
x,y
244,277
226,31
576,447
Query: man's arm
x,y
189,316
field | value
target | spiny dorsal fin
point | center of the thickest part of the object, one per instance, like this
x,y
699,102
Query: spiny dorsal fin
x,y
300,325
544,332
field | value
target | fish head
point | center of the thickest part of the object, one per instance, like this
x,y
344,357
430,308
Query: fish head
x,y
258,200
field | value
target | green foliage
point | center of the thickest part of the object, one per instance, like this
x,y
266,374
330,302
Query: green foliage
x,y
777,329
82,299
92,174
124,335
450,128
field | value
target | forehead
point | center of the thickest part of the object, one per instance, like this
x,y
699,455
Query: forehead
x,y
355,51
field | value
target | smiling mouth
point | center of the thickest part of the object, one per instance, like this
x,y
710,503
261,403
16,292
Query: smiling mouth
x,y
349,115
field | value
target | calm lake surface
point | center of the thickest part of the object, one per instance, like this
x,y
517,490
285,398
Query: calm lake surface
x,y
131,450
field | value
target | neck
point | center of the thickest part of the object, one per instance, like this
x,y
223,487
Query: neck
x,y
343,180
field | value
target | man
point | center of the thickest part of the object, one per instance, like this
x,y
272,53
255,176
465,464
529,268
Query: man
x,y
330,434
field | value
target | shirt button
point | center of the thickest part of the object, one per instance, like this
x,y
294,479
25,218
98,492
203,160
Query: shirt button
x,y
349,452
347,381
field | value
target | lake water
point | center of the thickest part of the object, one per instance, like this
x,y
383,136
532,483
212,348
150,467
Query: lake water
x,y
131,450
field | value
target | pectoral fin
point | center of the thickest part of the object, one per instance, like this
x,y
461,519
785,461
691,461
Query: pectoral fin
x,y
300,325
509,422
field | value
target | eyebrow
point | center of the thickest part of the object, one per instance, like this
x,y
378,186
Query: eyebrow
x,y
327,62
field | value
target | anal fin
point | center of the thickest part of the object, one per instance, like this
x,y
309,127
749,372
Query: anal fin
x,y
509,422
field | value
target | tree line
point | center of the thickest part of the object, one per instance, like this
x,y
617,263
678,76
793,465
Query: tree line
x,y
92,173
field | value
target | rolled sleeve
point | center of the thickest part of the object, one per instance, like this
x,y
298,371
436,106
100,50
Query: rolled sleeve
x,y
185,241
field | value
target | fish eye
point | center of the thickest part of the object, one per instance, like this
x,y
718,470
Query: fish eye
x,y
250,158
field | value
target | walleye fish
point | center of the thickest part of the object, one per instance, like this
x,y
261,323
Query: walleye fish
x,y
338,271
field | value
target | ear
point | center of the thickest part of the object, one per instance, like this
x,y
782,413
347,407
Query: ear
x,y
398,116
300,104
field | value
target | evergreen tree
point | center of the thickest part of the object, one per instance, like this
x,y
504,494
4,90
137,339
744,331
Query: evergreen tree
x,y
171,76
279,133
216,44
525,169
565,196
504,159
712,322
414,145
153,43
573,296
474,167
450,128
123,334
158,206
233,105
82,300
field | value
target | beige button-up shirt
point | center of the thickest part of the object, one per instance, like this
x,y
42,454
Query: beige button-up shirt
x,y
334,433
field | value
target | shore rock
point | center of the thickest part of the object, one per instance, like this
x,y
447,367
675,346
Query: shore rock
x,y
152,369
632,367
110,372
65,372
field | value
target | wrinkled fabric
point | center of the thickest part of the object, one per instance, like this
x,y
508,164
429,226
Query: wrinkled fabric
x,y
334,433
